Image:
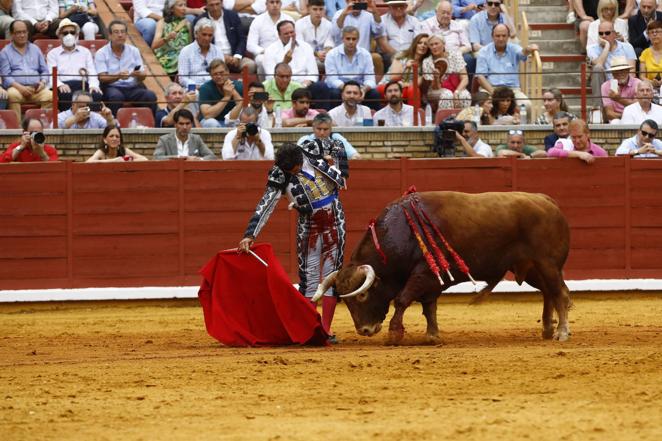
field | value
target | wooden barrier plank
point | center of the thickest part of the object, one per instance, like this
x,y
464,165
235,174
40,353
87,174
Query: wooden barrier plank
x,y
32,204
644,237
33,247
595,216
646,217
31,183
580,258
163,265
33,268
596,237
136,201
125,181
124,245
646,258
33,225
125,223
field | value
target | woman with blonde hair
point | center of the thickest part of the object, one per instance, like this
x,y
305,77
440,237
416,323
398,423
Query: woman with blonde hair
x,y
446,73
607,11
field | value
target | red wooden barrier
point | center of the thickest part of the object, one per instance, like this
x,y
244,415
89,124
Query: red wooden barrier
x,y
139,224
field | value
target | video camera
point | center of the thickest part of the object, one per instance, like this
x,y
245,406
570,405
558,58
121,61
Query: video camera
x,y
444,136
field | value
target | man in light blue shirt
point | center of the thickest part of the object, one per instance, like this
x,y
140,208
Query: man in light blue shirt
x,y
79,116
465,9
498,63
195,58
643,144
332,6
350,62
481,24
121,72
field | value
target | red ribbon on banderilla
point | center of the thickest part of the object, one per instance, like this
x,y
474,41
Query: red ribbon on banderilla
x,y
371,227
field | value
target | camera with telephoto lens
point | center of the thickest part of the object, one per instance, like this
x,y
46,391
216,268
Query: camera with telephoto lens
x,y
251,129
444,136
38,137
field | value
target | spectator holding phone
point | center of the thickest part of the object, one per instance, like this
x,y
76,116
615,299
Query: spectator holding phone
x,y
248,141
258,99
80,115
176,99
112,148
121,73
31,147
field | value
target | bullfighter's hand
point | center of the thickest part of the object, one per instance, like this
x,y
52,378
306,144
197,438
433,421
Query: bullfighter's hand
x,y
245,244
329,159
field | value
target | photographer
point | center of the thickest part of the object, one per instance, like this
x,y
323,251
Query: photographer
x,y
80,116
248,141
31,147
473,146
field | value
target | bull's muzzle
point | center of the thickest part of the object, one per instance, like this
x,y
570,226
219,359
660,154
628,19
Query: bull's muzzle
x,y
369,330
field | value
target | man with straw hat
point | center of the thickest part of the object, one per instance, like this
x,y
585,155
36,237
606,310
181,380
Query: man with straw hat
x,y
619,91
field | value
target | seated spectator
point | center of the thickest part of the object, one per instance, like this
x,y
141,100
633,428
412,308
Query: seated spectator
x,y
400,29
518,148
644,108
122,72
650,66
229,36
281,87
264,108
300,115
348,62
350,112
182,143
473,146
195,59
402,67
607,12
578,144
176,99
24,71
369,26
248,141
465,9
218,96
81,116
5,17
75,66
552,100
481,26
112,148
644,144
638,33
316,30
504,109
603,54
31,147
587,13
396,113
195,9
146,13
173,33
446,73
483,100
263,32
454,34
300,57
322,129
83,13
560,124
40,16
619,91
498,63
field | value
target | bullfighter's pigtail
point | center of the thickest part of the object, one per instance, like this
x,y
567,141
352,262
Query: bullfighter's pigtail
x,y
433,244
424,249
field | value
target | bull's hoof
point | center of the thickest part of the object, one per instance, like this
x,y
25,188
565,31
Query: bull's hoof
x,y
395,338
548,334
562,336
432,339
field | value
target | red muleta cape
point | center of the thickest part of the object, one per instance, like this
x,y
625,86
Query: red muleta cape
x,y
248,304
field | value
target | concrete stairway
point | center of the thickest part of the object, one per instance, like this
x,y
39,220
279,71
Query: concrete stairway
x,y
560,50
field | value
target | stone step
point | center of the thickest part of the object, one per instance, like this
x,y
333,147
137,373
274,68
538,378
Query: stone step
x,y
561,71
552,31
558,46
546,14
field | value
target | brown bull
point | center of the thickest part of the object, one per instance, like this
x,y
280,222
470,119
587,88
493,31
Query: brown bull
x,y
493,232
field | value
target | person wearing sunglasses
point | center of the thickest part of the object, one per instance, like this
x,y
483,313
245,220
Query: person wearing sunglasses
x,y
607,11
644,108
75,66
517,147
578,144
638,25
481,25
644,144
602,56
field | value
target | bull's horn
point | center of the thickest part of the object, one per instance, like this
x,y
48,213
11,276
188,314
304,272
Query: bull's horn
x,y
367,283
324,286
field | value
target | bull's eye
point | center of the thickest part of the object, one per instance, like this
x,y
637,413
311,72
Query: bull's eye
x,y
362,297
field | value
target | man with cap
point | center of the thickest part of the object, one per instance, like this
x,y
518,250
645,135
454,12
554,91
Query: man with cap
x,y
400,29
619,91
75,66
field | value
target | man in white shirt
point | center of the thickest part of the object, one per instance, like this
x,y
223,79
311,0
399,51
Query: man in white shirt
x,y
473,146
263,32
644,108
74,64
350,112
396,113
400,29
39,15
257,97
293,51
644,144
248,141
316,30
455,35
146,13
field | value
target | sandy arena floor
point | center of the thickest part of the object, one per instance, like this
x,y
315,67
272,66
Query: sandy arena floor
x,y
148,370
